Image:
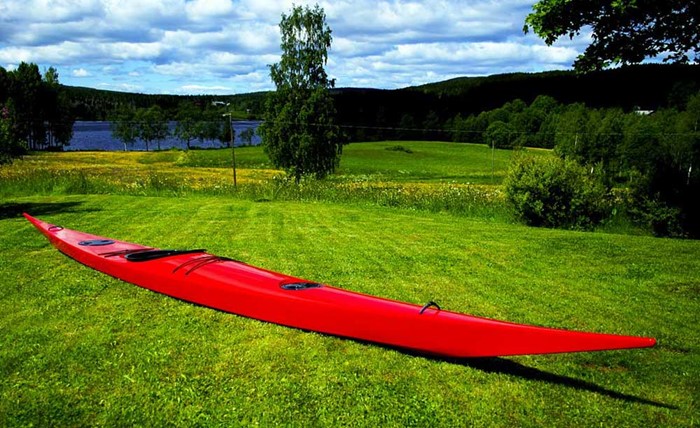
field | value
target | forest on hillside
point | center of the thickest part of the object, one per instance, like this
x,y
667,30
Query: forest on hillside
x,y
455,110
425,112
648,160
98,104
374,114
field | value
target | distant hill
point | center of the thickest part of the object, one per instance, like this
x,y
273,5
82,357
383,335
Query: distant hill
x,y
371,114
645,86
98,104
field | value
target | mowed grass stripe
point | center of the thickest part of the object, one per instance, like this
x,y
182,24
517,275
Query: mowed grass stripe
x,y
81,348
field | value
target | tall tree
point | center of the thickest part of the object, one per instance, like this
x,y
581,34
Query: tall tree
x,y
187,117
124,126
623,31
247,136
152,125
225,133
27,94
5,83
214,126
10,147
500,135
299,133
572,135
57,111
51,77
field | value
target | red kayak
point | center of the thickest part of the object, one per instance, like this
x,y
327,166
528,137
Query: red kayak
x,y
235,287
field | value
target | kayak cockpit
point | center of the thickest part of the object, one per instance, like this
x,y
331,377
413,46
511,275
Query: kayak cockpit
x,y
148,255
294,286
95,242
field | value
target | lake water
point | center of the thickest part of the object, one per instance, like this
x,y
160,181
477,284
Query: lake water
x,y
98,136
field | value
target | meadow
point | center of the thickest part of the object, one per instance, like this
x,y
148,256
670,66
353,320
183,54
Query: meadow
x,y
81,348
458,178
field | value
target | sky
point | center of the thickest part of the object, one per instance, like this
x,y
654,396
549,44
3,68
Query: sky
x,y
226,46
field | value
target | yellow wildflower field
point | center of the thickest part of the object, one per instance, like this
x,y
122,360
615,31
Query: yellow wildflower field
x,y
130,169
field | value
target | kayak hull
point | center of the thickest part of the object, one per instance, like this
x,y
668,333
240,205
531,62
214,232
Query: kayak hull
x,y
249,291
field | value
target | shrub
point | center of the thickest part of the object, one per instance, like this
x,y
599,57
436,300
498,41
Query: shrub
x,y
500,135
552,192
657,216
663,204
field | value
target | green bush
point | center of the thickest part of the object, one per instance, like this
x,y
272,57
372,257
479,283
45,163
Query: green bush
x,y
500,135
655,203
552,192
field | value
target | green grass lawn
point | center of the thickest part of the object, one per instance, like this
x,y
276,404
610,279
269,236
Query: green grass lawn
x,y
404,161
427,161
463,179
81,348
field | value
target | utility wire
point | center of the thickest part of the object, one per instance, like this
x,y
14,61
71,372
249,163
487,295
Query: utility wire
x,y
457,131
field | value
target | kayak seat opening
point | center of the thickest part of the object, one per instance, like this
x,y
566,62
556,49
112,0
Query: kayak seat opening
x,y
96,242
300,285
145,256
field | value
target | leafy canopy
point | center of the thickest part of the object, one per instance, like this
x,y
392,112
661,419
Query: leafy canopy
x,y
299,133
35,112
152,125
623,31
124,126
10,148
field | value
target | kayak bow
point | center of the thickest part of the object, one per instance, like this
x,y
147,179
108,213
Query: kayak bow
x,y
233,286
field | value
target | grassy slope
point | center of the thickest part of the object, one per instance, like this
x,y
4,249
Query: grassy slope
x,y
427,162
80,348
423,162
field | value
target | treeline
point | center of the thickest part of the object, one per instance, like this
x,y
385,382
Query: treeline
x,y
42,111
426,112
647,86
654,154
193,122
151,124
96,104
34,113
610,138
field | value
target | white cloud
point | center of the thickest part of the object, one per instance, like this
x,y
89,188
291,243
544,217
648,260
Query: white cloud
x,y
123,87
198,89
125,51
199,10
49,11
80,72
176,69
181,44
14,55
162,14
